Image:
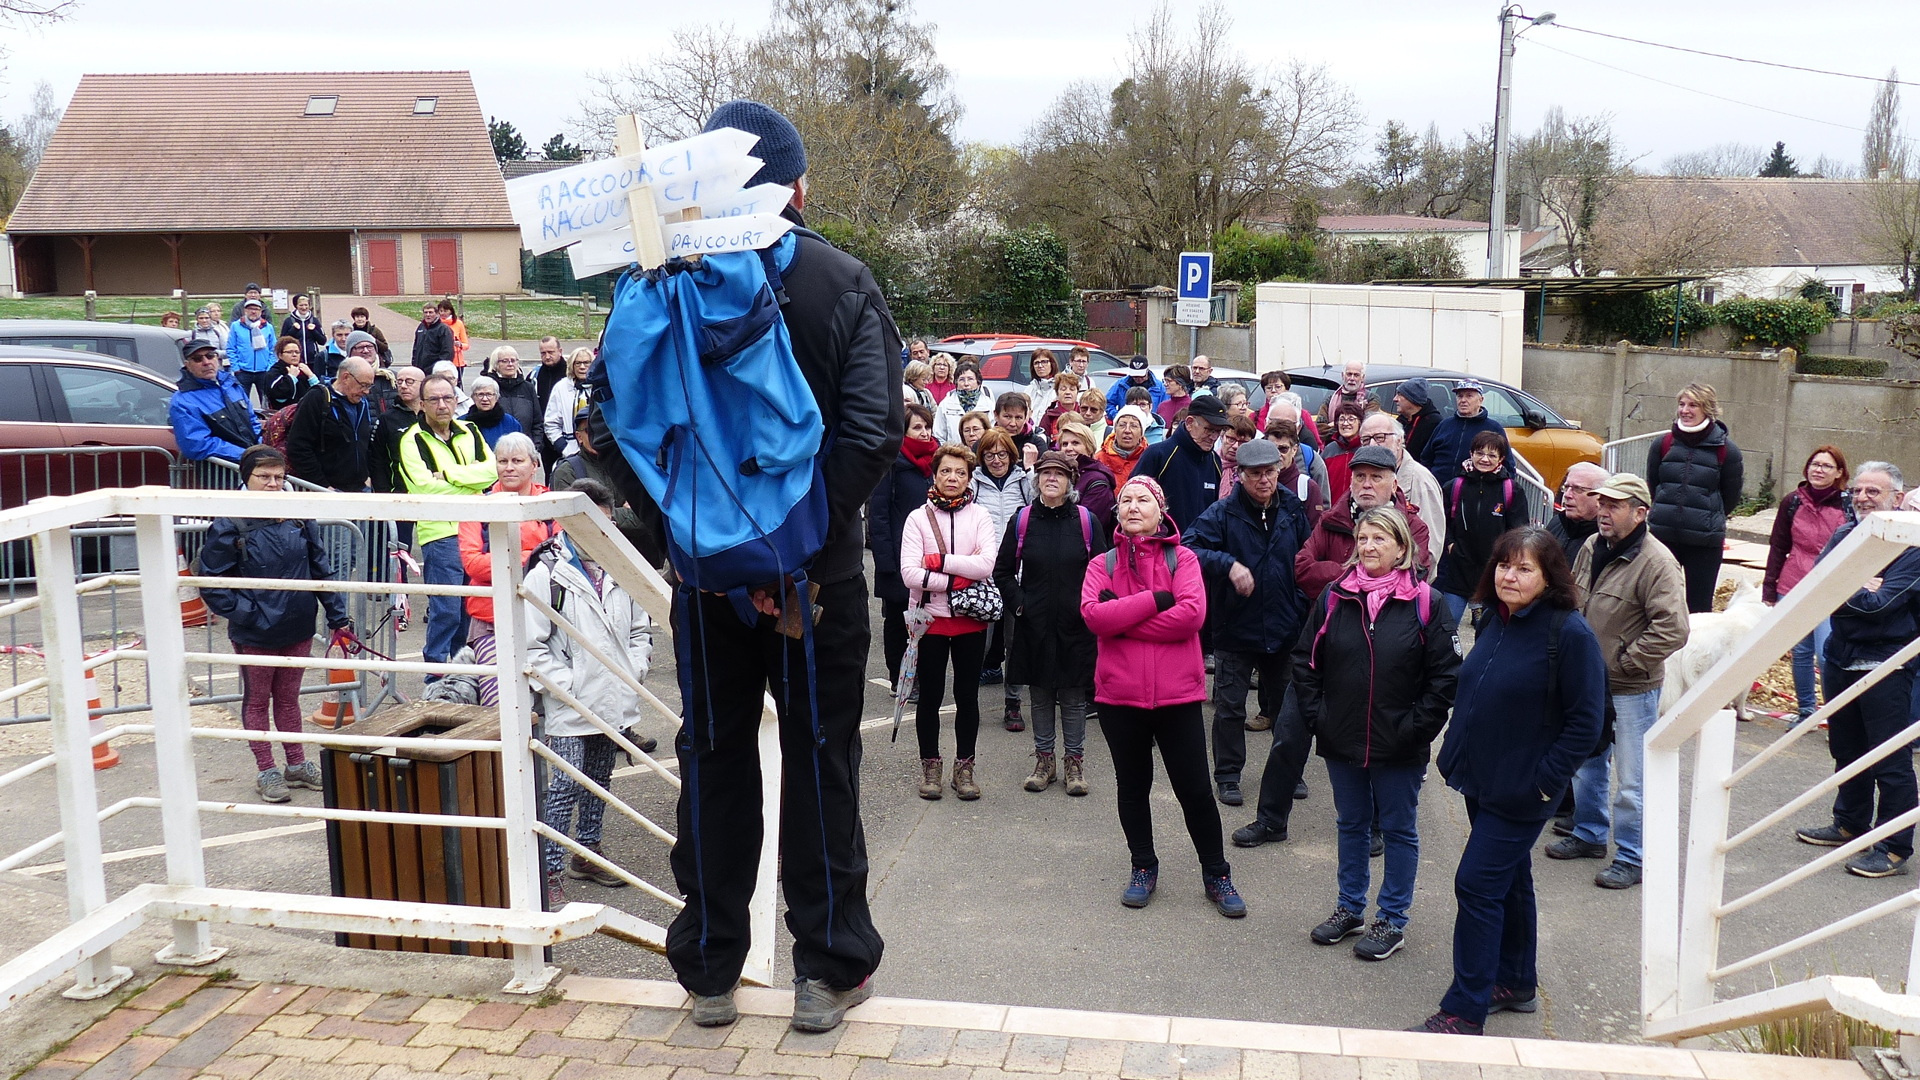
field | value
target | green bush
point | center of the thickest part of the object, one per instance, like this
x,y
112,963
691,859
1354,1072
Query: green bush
x,y
1773,323
1854,366
1249,257
1821,293
1644,318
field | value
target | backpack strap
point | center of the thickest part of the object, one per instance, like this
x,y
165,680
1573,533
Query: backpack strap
x,y
1113,555
1173,559
1506,492
1554,623
1666,443
1453,497
1020,533
1086,527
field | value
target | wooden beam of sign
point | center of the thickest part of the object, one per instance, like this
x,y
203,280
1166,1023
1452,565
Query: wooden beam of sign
x,y
649,246
691,213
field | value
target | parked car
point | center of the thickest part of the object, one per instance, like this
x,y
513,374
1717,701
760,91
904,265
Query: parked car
x,y
1548,441
63,404
155,348
1256,395
1003,358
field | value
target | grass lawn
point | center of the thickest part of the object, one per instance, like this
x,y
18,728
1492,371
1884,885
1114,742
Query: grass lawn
x,y
138,309
527,320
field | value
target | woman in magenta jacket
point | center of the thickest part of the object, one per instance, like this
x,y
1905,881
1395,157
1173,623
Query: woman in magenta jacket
x,y
1145,601
946,545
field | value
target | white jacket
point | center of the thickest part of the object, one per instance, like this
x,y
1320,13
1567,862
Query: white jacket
x,y
946,415
557,425
1003,500
612,620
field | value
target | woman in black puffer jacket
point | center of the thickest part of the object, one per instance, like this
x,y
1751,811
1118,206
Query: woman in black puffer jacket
x,y
902,492
1696,474
1481,503
1375,670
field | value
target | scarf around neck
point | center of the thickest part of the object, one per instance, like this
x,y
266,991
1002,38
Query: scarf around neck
x,y
968,398
920,452
1376,591
953,505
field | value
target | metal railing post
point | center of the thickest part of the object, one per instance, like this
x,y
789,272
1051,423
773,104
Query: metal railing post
x,y
179,785
760,910
526,880
72,743
1706,871
1660,885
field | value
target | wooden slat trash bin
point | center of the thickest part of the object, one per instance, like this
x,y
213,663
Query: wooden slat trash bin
x,y
426,863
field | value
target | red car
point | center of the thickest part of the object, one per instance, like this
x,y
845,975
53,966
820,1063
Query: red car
x,y
62,413
1003,358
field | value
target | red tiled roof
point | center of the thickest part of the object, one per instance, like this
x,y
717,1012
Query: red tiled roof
x,y
197,153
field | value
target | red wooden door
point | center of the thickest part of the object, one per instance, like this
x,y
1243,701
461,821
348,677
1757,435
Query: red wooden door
x,y
383,267
443,267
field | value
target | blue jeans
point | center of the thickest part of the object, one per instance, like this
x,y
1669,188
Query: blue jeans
x,y
446,615
1811,646
250,379
1633,715
1395,790
1496,933
1456,604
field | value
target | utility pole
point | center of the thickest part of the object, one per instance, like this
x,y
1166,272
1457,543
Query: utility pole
x,y
1502,110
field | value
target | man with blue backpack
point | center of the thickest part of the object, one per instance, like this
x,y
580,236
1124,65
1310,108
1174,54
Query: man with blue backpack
x,y
761,445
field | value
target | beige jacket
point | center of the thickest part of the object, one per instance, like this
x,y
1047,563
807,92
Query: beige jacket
x,y
1638,610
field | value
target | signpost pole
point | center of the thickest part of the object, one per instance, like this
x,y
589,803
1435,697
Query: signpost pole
x,y
649,246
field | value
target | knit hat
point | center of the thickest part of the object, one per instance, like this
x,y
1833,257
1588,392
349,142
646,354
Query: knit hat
x,y
1416,392
785,159
1152,486
360,337
1136,412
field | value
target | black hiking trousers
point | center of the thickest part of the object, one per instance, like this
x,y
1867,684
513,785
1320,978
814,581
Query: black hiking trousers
x,y
725,666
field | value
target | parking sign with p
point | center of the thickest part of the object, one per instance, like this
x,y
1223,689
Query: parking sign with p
x,y
1195,305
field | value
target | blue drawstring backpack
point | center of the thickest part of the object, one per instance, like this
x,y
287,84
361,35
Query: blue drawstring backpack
x,y
698,383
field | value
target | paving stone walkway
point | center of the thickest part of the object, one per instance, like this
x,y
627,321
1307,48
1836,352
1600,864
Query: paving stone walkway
x,y
615,1029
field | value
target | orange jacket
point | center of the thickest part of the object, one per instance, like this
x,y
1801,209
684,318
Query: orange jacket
x,y
1121,464
476,556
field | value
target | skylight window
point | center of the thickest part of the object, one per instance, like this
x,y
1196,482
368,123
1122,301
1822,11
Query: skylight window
x,y
424,106
322,104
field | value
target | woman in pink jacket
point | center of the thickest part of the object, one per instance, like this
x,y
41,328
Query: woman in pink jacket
x,y
1145,601
947,545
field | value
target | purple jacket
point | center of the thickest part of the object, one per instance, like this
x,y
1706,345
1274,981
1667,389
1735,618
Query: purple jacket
x,y
1148,658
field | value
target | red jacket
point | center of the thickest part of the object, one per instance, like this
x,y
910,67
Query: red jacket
x,y
477,559
1325,556
1148,658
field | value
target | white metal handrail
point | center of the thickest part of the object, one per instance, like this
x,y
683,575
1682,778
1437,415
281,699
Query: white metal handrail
x,y
1683,903
184,898
1612,454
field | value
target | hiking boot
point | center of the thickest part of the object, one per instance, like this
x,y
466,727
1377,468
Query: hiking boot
x,y
1259,723
1824,836
1076,775
1340,925
1445,1023
1300,790
1383,940
930,778
1573,847
1876,863
991,676
1377,846
1139,890
556,896
1563,825
1258,833
1220,890
272,785
304,775
1013,720
1620,875
963,784
1507,999
646,743
1230,795
716,1010
1043,772
580,868
819,1007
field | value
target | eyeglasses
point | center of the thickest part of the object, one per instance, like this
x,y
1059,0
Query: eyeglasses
x,y
997,454
442,399
1572,489
1490,455
1381,438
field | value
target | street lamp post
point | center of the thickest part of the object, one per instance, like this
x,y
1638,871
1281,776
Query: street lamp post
x,y
1502,107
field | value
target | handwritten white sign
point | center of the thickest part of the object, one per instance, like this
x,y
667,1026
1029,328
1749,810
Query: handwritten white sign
x,y
554,209
707,236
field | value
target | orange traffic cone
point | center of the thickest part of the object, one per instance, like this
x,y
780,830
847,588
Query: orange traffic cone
x,y
336,710
193,610
104,755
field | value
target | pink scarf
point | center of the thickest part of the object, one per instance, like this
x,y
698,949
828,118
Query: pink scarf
x,y
1376,591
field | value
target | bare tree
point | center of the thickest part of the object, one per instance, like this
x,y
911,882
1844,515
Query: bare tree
x,y
672,92
1721,159
1192,140
1883,153
1893,229
1656,225
36,126
1569,169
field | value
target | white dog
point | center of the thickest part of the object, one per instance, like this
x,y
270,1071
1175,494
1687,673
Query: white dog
x,y
1712,636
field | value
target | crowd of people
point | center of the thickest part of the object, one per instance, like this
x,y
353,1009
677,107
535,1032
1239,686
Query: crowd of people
x,y
1125,553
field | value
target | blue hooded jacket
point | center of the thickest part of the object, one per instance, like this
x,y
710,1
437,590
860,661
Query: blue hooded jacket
x,y
240,351
212,418
1230,531
1117,393
1452,441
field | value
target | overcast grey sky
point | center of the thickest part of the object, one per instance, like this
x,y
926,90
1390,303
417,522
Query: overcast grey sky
x,y
1412,61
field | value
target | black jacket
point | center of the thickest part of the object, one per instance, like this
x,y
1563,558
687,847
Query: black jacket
x,y
521,398
281,388
1052,646
1188,475
1419,430
1508,747
640,523
1872,626
1694,486
1375,693
901,492
1265,541
268,548
545,378
848,351
330,441
1452,440
1571,534
310,334
1475,519
395,422
431,344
